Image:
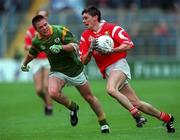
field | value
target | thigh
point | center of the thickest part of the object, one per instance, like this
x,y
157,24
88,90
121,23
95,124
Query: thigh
x,y
116,79
55,84
84,90
45,77
38,80
118,73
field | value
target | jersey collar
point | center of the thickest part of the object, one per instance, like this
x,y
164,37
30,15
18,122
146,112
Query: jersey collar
x,y
100,27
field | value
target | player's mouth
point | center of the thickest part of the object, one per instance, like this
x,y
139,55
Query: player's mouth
x,y
46,32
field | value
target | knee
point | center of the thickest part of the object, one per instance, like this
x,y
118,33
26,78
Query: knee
x,y
111,91
53,92
89,98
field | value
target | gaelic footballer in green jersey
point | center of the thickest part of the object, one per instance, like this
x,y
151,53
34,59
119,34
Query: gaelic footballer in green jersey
x,y
66,68
70,65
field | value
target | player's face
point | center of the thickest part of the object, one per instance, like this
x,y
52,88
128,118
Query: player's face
x,y
43,28
89,21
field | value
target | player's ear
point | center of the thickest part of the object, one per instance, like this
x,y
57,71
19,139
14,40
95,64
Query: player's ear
x,y
95,17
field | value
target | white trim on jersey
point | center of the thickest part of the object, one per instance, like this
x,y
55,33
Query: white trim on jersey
x,y
29,34
114,30
82,39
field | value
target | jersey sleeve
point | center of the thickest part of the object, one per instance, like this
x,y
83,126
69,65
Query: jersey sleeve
x,y
121,36
67,36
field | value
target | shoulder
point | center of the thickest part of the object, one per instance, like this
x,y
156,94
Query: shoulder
x,y
109,25
59,27
86,33
114,28
36,40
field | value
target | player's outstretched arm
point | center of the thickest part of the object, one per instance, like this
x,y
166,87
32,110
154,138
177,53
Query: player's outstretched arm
x,y
28,58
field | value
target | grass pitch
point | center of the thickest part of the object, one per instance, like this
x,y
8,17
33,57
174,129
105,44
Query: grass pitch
x,y
22,118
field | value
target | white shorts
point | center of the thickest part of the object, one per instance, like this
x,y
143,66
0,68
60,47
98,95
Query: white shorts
x,y
74,81
38,64
120,65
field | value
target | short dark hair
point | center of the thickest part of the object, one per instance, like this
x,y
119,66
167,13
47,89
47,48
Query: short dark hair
x,y
36,19
93,11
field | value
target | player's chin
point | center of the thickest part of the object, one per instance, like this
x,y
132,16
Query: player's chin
x,y
87,26
46,34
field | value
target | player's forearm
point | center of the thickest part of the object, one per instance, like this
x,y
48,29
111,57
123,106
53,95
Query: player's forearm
x,y
122,48
70,47
85,60
28,59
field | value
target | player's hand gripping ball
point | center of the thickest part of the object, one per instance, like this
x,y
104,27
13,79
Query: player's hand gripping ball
x,y
105,44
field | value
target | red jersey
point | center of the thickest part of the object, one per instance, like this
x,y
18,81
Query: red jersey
x,y
119,36
30,34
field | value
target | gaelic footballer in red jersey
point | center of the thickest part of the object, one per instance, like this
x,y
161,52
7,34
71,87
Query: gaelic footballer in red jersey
x,y
119,35
114,67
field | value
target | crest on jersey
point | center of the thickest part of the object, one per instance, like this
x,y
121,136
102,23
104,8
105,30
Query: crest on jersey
x,y
42,47
57,40
107,33
91,38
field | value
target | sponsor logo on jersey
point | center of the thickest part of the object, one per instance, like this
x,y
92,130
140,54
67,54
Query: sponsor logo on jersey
x,y
42,47
57,40
91,38
107,33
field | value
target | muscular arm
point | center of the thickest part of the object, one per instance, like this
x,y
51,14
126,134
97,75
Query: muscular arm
x,y
70,47
86,58
28,58
122,48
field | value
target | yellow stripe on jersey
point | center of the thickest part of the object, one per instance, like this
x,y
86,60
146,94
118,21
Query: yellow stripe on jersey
x,y
64,31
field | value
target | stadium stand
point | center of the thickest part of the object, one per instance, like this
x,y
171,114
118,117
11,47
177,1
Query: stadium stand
x,y
144,25
17,43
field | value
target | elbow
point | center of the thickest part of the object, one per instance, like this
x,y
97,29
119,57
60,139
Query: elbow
x,y
84,62
31,56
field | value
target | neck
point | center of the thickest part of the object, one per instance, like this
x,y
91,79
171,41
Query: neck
x,y
96,27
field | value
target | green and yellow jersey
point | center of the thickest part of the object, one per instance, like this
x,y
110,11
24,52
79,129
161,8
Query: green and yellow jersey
x,y
65,62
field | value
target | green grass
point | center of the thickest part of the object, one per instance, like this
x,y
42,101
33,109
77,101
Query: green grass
x,y
22,118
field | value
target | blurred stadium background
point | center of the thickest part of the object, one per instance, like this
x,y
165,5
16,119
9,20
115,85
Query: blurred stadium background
x,y
153,25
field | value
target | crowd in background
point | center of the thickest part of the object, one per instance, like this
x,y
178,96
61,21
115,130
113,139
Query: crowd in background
x,y
20,5
14,5
158,26
169,5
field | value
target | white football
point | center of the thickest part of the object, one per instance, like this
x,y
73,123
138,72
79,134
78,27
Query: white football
x,y
105,41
